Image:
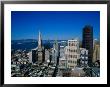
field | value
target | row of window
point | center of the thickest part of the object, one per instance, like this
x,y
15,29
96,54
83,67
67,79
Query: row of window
x,y
84,58
73,44
69,50
69,61
84,62
63,64
71,56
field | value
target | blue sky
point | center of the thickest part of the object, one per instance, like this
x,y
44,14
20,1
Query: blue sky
x,y
53,24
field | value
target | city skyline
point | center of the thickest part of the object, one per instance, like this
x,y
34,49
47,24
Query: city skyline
x,y
61,25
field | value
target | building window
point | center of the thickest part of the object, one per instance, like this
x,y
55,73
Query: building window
x,y
69,56
76,51
69,44
66,50
73,61
69,50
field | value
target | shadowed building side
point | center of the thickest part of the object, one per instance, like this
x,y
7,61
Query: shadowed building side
x,y
87,42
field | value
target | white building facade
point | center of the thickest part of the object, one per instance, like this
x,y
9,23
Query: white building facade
x,y
72,53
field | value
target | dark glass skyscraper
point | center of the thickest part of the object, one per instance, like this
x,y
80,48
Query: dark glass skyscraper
x,y
87,42
34,56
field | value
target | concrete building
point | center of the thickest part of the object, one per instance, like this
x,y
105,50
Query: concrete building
x,y
55,52
62,49
32,56
72,53
62,59
96,53
47,55
62,63
83,57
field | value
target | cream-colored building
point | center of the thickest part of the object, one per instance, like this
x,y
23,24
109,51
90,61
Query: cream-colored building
x,y
72,53
96,53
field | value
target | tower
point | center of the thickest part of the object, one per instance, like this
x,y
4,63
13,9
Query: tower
x,y
55,52
40,51
87,42
39,40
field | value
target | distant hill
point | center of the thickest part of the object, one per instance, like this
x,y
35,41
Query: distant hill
x,y
28,44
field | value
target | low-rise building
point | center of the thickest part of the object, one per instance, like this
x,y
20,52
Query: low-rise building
x,y
83,57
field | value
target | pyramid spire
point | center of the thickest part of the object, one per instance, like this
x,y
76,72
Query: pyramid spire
x,y
39,40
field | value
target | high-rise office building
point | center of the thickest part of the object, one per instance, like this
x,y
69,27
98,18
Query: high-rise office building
x,y
63,44
87,42
47,55
37,54
62,59
55,52
40,51
72,53
96,50
95,41
32,56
